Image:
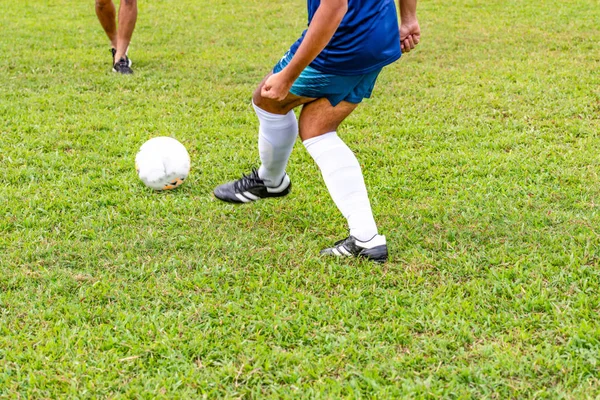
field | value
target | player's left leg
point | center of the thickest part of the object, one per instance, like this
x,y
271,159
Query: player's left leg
x,y
127,19
343,177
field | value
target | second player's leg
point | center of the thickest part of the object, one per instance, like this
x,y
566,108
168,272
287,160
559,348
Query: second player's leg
x,y
106,12
127,19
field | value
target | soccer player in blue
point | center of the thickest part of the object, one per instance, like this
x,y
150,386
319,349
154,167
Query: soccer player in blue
x,y
328,71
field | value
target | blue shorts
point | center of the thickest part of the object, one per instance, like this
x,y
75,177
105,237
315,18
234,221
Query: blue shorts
x,y
335,88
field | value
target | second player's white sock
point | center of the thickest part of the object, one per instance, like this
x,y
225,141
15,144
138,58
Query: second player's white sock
x,y
344,180
276,136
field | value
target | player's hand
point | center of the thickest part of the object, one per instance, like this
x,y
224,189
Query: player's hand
x,y
410,35
276,87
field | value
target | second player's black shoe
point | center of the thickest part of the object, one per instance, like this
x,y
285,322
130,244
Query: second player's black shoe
x,y
122,67
251,188
374,249
113,52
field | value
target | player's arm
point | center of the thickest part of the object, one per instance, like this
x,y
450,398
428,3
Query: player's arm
x,y
323,25
325,22
410,32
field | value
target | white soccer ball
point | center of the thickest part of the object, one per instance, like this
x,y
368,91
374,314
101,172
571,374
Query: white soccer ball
x,y
162,163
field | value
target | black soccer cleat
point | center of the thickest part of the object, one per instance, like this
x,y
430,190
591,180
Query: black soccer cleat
x,y
122,67
113,51
251,188
374,249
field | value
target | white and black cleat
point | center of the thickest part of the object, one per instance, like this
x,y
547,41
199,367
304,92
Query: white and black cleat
x,y
122,67
251,188
113,51
374,249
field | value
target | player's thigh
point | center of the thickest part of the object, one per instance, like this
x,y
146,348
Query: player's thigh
x,y
284,106
320,117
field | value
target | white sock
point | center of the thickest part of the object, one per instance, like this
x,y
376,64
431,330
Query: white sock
x,y
276,137
344,180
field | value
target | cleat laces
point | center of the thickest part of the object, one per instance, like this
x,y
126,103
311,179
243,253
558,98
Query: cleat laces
x,y
248,181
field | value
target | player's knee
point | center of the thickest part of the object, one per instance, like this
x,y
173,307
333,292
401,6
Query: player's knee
x,y
268,105
130,3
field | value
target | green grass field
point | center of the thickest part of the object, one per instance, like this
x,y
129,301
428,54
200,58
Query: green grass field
x,y
481,151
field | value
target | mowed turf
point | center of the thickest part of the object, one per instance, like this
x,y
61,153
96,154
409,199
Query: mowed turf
x,y
480,150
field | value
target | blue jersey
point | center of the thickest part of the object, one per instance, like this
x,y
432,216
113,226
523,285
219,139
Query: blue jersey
x,y
366,40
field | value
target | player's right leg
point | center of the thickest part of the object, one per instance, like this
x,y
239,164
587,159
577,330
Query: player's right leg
x,y
106,12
